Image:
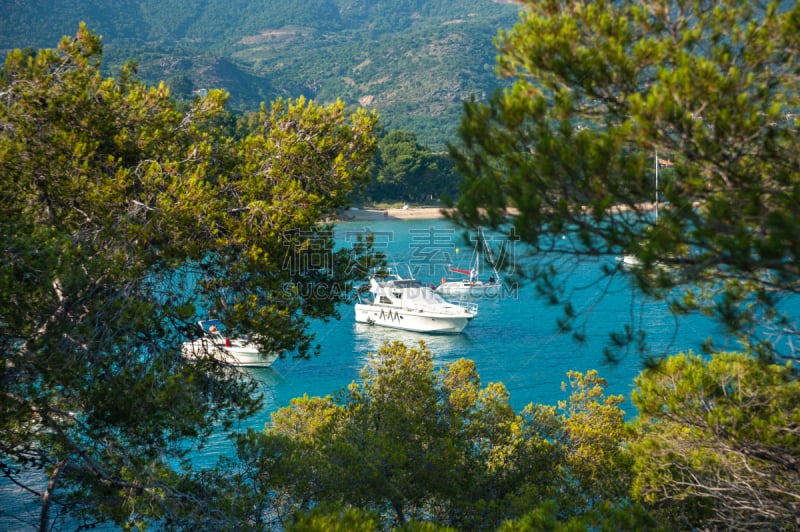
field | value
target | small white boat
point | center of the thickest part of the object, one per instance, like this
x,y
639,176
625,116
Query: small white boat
x,y
471,286
632,261
471,283
629,261
409,305
235,351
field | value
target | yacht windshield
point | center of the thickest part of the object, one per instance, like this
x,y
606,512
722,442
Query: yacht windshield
x,y
408,283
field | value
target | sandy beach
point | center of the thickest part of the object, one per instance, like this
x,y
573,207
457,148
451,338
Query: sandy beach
x,y
401,213
356,214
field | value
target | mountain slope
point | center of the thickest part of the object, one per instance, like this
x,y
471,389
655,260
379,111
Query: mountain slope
x,y
413,61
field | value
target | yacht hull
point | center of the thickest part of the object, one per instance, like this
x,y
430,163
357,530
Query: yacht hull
x,y
411,320
246,355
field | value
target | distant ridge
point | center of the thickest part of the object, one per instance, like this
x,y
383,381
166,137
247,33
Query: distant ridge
x,y
414,61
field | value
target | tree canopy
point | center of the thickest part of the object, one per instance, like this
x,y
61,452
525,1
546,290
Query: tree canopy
x,y
607,96
605,92
718,442
410,443
125,219
414,446
405,170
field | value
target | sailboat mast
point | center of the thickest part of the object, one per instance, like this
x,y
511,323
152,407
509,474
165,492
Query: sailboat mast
x,y
478,244
656,185
489,256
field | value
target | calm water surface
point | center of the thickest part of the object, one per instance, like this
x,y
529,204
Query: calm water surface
x,y
513,339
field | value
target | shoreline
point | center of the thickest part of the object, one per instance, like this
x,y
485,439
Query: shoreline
x,y
358,214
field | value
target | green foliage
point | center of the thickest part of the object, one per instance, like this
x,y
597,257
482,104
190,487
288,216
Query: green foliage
x,y
124,219
415,444
323,519
603,88
603,93
594,426
407,171
719,442
606,517
413,62
585,435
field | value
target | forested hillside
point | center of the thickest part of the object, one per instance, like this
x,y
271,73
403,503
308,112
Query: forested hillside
x,y
414,61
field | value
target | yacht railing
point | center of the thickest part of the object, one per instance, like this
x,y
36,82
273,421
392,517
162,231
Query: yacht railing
x,y
468,305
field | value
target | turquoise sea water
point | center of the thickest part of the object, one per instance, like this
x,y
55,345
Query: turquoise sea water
x,y
513,339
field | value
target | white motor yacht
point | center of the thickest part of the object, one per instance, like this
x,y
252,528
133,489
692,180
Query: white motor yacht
x,y
408,304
